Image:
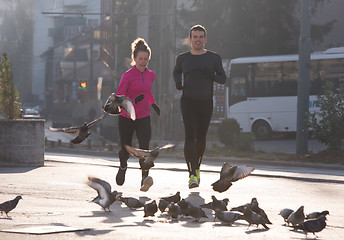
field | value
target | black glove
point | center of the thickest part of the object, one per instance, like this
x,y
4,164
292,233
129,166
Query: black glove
x,y
179,85
139,98
156,108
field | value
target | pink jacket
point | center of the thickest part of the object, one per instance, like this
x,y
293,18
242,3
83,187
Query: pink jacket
x,y
133,83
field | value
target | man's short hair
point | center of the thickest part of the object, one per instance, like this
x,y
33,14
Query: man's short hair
x,y
198,28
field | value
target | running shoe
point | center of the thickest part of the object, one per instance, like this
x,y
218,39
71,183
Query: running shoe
x,y
146,183
120,177
198,176
193,182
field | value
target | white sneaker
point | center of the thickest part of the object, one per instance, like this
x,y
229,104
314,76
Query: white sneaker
x,y
146,184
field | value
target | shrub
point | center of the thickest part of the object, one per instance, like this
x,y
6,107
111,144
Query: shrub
x,y
244,142
328,123
227,131
9,94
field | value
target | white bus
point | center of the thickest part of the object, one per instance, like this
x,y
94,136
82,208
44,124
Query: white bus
x,y
262,91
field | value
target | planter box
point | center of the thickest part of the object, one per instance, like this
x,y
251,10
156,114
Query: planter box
x,y
22,142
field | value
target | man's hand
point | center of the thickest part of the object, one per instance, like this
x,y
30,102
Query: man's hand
x,y
139,98
156,108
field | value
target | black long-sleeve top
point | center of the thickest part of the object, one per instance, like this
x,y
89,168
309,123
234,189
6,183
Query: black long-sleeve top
x,y
199,73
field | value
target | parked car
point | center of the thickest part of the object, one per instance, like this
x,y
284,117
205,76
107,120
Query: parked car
x,y
30,113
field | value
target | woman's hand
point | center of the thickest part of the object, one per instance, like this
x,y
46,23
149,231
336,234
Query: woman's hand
x,y
156,108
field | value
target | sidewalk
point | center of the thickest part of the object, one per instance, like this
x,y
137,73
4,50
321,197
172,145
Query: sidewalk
x,y
56,196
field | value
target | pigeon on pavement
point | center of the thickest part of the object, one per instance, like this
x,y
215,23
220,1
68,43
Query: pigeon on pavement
x,y
8,206
197,212
227,217
313,226
82,130
184,207
216,204
114,104
162,205
255,208
285,213
150,209
105,197
131,202
174,198
254,218
230,174
297,217
314,215
173,210
241,208
148,155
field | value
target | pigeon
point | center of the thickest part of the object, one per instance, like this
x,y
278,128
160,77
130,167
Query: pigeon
x,y
150,209
114,104
251,205
297,217
174,198
148,155
8,206
82,130
227,217
131,202
285,213
162,205
230,174
184,207
173,210
255,208
253,218
216,204
105,197
313,226
196,212
314,215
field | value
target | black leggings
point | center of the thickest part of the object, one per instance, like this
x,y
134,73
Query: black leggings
x,y
196,116
126,127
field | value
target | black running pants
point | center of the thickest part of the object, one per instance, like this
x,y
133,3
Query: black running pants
x,y
196,117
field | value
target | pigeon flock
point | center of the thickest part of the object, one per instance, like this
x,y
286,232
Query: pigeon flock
x,y
175,207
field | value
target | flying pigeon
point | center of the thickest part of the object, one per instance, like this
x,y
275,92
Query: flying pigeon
x,y
297,217
82,130
227,217
314,215
114,104
184,207
196,212
162,205
148,155
173,210
174,198
285,213
216,204
254,218
131,202
230,174
105,197
8,206
150,209
313,226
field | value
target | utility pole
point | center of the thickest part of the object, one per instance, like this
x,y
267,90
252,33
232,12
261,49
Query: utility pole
x,y
303,79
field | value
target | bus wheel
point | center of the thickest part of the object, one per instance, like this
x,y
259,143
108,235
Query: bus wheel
x,y
262,130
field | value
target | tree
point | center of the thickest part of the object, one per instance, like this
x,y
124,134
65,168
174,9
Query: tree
x,y
327,124
250,27
9,94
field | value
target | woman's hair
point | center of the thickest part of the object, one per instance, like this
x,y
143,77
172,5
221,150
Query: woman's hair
x,y
139,45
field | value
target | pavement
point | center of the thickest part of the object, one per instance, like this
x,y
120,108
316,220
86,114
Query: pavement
x,y
56,198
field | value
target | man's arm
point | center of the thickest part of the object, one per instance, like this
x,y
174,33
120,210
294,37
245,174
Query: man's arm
x,y
177,73
220,75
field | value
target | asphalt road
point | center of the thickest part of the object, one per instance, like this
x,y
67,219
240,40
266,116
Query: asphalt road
x,y
56,195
